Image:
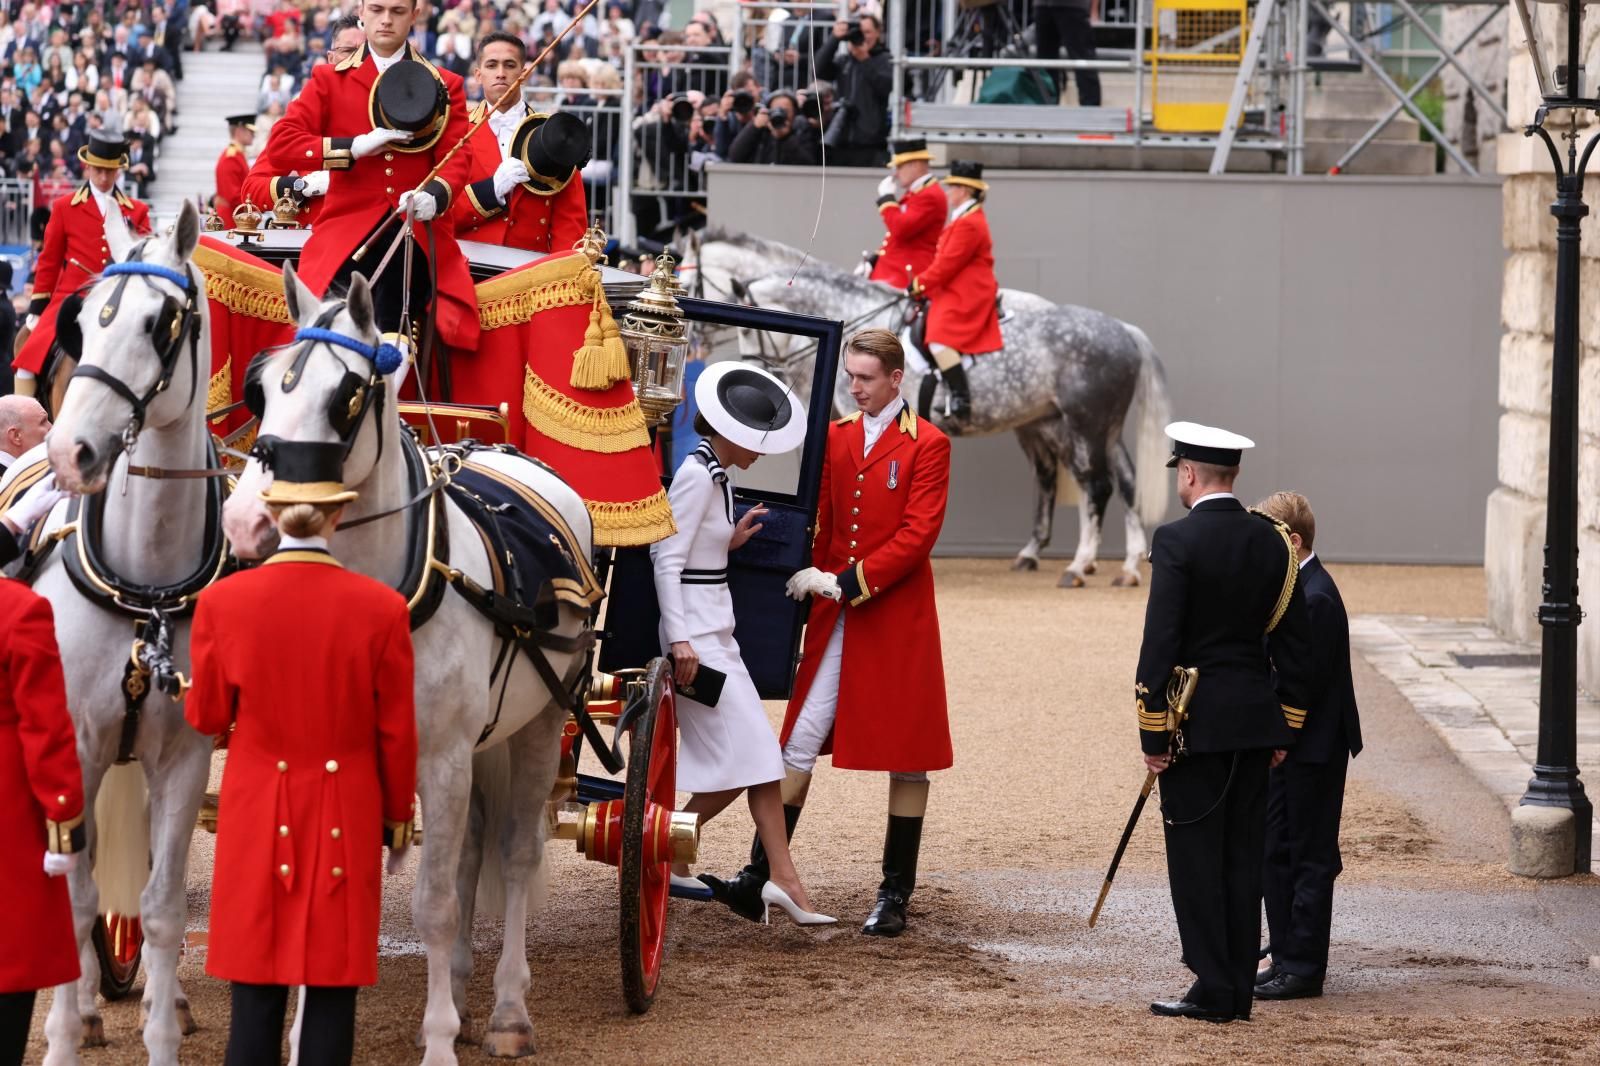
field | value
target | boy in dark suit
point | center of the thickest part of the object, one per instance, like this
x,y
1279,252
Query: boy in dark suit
x,y
1305,795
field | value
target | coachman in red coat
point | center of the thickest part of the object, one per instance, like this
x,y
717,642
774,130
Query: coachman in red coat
x,y
870,689
41,813
913,219
233,166
75,248
960,287
311,666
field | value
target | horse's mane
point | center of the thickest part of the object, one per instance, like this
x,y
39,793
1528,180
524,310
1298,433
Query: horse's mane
x,y
751,243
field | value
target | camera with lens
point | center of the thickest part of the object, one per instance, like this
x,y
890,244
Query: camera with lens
x,y
744,101
839,126
777,118
682,109
853,34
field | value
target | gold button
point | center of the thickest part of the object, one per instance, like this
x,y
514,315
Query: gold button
x,y
388,171
284,870
858,494
282,766
854,527
389,190
876,590
336,832
283,830
388,156
338,871
61,799
333,766
543,220
308,153
855,510
861,477
851,559
852,544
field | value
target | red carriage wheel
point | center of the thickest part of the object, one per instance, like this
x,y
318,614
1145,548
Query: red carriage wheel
x,y
119,945
649,792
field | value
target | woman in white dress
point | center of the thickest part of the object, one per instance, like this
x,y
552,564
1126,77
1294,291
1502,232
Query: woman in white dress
x,y
728,748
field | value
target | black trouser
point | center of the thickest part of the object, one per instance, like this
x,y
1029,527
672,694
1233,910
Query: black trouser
x,y
388,288
857,156
1214,868
1304,803
1070,26
16,1015
255,1032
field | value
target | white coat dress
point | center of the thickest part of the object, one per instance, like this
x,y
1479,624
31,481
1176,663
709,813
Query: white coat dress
x,y
731,745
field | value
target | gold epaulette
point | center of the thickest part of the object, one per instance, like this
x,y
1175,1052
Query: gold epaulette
x,y
1289,576
847,419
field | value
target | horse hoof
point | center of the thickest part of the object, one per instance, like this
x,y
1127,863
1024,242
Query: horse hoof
x,y
186,1024
1125,581
1025,562
509,1042
464,1034
94,1031
1090,567
1069,580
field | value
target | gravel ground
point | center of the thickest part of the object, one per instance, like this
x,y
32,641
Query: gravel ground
x,y
1439,955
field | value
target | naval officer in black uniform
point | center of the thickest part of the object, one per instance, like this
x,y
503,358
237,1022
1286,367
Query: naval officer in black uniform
x,y
1225,599
1305,795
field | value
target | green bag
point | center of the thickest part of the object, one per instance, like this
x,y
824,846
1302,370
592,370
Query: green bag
x,y
1017,85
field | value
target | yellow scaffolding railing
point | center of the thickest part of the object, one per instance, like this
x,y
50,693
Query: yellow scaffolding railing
x,y
1196,47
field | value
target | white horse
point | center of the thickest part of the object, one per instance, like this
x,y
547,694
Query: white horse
x,y
455,652
152,532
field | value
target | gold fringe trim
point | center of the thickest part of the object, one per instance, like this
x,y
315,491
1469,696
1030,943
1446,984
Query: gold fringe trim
x,y
512,299
242,288
219,393
607,430
632,525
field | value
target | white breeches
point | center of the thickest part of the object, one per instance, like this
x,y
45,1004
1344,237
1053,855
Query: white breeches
x,y
815,720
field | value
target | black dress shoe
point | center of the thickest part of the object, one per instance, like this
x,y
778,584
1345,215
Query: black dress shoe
x,y
741,895
1289,986
888,917
1263,976
1182,1008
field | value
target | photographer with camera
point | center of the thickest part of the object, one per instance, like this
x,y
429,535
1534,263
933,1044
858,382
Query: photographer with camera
x,y
778,134
665,138
738,110
857,62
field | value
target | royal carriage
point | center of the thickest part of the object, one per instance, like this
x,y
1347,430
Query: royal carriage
x,y
624,816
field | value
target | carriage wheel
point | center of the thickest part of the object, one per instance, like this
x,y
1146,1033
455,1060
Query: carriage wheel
x,y
119,945
644,885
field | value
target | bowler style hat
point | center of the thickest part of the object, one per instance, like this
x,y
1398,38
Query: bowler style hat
x,y
966,172
306,472
909,149
749,407
247,121
111,153
1206,444
409,96
553,148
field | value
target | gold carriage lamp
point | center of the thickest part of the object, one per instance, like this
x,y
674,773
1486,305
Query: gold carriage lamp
x,y
657,340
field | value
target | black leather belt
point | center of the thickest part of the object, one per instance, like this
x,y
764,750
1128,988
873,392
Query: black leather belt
x,y
704,577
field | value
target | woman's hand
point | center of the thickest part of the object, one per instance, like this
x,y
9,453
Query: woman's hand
x,y
747,527
685,663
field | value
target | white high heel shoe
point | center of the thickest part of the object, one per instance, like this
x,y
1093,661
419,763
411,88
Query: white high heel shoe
x,y
772,894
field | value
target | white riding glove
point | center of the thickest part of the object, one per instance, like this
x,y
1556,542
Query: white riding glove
x,y
32,322
315,183
55,865
813,582
34,504
424,205
507,176
889,187
375,141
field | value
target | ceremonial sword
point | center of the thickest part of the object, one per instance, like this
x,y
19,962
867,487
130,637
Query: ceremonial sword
x,y
1180,689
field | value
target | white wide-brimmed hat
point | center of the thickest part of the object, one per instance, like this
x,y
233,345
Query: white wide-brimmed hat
x,y
749,407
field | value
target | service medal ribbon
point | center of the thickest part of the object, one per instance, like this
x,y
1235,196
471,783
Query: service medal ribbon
x,y
894,473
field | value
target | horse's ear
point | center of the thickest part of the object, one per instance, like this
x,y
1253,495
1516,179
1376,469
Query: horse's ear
x,y
303,303
358,302
186,235
119,242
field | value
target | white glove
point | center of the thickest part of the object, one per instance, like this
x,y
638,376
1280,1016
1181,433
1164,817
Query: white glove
x,y
424,205
32,322
889,187
316,183
55,865
813,582
374,142
34,504
397,860
507,176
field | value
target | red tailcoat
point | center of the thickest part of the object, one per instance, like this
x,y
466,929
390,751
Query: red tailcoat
x,y
316,133
74,251
877,521
961,287
41,796
263,187
312,664
524,219
914,225
232,167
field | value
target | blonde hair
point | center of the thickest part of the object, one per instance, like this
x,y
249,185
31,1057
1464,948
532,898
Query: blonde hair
x,y
605,76
1294,511
880,343
573,68
304,519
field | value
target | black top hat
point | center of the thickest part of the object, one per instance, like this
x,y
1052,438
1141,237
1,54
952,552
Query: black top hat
x,y
305,472
966,172
553,148
247,121
409,96
104,152
908,149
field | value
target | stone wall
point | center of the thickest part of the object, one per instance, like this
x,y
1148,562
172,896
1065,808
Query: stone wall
x,y
1467,122
1514,526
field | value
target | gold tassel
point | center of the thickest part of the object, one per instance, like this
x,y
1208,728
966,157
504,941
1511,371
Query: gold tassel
x,y
603,359
617,364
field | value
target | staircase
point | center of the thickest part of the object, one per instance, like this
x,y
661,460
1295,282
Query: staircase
x,y
215,85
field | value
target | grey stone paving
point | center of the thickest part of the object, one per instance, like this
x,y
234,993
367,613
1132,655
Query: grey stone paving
x,y
1487,714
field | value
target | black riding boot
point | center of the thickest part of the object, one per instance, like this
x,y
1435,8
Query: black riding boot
x,y
743,893
930,381
955,379
900,848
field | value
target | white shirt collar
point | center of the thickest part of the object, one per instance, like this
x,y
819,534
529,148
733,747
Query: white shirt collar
x,y
874,425
383,63
1306,559
106,201
505,123
6,458
1212,496
286,543
964,209
923,182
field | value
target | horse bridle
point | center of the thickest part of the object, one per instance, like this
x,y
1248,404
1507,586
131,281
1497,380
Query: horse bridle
x,y
176,320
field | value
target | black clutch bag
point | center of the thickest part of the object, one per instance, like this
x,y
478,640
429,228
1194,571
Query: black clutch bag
x,y
706,687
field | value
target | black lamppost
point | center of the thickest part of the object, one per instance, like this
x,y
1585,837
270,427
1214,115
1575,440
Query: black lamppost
x,y
1561,83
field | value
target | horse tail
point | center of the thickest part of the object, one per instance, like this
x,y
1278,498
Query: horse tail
x,y
1151,483
491,781
122,839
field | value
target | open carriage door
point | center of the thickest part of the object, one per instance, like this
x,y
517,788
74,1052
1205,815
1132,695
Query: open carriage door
x,y
768,624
